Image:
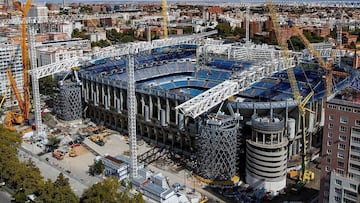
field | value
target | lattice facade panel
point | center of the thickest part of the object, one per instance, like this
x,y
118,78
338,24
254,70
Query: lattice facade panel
x,y
218,149
69,106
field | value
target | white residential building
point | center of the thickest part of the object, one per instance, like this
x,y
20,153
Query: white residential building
x,y
47,56
97,36
10,56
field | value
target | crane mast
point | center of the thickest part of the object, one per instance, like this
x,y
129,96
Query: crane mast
x,y
297,97
163,6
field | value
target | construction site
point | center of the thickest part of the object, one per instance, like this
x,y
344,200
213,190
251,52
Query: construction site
x,y
233,114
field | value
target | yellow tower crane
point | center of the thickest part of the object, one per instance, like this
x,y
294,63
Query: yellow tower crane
x,y
164,13
24,102
305,175
327,66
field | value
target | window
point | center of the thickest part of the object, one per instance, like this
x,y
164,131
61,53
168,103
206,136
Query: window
x,y
328,160
329,143
330,106
329,151
344,119
331,117
338,190
340,172
357,122
342,137
353,186
340,155
355,140
331,125
337,198
343,128
330,134
341,146
340,164
338,182
327,168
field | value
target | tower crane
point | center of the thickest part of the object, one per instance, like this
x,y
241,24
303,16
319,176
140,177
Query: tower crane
x,y
24,102
327,66
305,175
164,13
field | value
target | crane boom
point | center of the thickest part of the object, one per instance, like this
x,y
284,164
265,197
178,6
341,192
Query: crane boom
x,y
15,90
284,46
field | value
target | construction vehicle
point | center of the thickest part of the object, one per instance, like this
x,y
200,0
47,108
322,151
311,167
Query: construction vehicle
x,y
26,130
59,154
12,118
72,152
98,139
305,175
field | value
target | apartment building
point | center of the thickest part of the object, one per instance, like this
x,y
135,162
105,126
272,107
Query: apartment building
x,y
10,56
340,174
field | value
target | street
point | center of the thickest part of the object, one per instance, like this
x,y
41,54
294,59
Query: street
x,y
5,197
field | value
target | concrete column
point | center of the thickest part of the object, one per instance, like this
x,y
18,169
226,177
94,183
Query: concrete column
x,y
103,96
150,106
142,105
108,97
97,93
159,108
176,113
121,100
115,99
167,111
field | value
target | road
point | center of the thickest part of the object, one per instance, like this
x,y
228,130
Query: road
x,y
5,197
51,172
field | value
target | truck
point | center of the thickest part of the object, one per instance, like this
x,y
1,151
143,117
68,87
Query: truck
x,y
58,154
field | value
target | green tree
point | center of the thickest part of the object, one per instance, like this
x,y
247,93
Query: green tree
x,y
77,34
105,191
224,29
47,85
138,198
295,44
97,168
238,31
53,143
59,191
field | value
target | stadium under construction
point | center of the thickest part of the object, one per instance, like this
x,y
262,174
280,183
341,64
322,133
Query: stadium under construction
x,y
226,107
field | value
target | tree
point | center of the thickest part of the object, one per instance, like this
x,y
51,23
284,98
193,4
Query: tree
x,y
105,191
97,168
224,29
53,143
47,85
59,191
138,198
238,31
294,43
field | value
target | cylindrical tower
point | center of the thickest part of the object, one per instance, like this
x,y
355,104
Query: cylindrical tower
x,y
266,154
69,105
218,148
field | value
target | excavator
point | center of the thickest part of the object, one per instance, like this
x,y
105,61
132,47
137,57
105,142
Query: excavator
x,y
12,118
